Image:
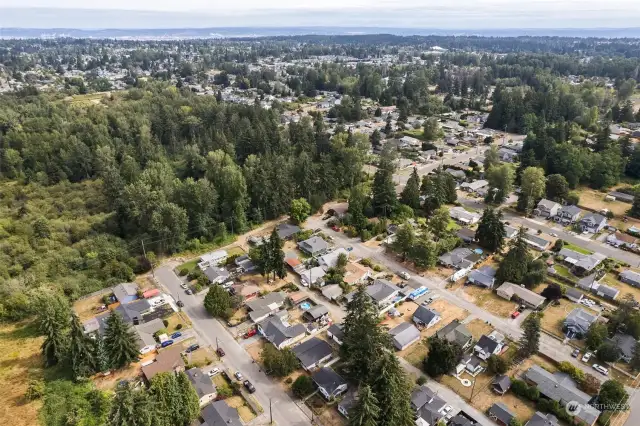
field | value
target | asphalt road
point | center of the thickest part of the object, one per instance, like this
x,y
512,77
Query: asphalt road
x,y
210,332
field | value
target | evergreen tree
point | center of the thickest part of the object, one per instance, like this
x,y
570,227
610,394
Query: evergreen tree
x,y
100,356
515,264
491,233
635,207
442,358
366,411
530,340
119,342
404,241
80,352
53,317
557,188
384,190
424,253
439,222
217,301
392,392
358,201
410,195
375,139
130,407
174,398
532,188
276,255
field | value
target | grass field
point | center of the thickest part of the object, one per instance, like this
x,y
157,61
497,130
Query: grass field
x,y
595,200
576,248
490,301
477,327
21,362
415,353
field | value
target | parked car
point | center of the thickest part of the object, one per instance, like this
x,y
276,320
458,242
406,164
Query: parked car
x,y
335,228
404,275
180,303
250,333
220,352
586,357
237,375
600,369
193,348
349,248
448,408
183,285
166,343
515,314
189,291
247,384
553,234
213,372
575,353
176,335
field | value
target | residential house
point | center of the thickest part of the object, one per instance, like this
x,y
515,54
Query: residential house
x,y
266,305
536,242
501,414
483,277
356,273
507,155
431,411
577,323
134,312
213,258
605,291
313,276
509,290
335,333
460,420
382,292
421,396
489,345
425,317
279,332
626,345
501,384
474,186
561,388
146,335
456,332
347,404
329,383
332,292
467,235
295,264
203,385
219,413
216,274
330,260
621,196
581,263
459,214
619,239
286,231
542,419
471,364
546,208
247,291
592,223
459,258
312,353
126,292
568,215
317,313
169,359
630,277
404,335
245,264
314,246
510,231
573,294
457,174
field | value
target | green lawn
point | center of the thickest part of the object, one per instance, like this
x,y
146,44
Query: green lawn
x,y
414,133
576,248
452,226
563,271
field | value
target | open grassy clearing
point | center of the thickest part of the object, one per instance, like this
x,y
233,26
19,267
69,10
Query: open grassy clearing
x,y
489,301
415,353
243,408
611,279
593,199
477,327
576,248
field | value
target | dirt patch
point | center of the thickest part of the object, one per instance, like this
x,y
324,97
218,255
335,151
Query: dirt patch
x,y
484,399
519,369
21,362
554,315
477,327
488,300
240,404
406,310
87,308
482,380
255,349
132,372
415,353
175,319
374,243
448,311
590,198
331,417
201,357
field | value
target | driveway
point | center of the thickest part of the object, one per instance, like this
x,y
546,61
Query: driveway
x,y
211,332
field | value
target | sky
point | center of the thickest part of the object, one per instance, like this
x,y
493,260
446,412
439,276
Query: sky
x,y
479,14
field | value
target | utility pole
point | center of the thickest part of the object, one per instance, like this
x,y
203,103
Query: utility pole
x,y
217,347
270,413
145,256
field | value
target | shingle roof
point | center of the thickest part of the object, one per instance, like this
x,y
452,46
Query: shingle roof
x,y
286,230
381,289
455,332
630,276
336,330
312,351
525,294
328,379
503,383
570,210
547,204
215,272
421,396
425,315
201,382
314,245
626,344
219,413
404,334
501,412
540,419
487,344
124,290
580,318
317,312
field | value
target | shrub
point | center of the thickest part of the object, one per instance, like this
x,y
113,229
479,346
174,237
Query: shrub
x,y
377,268
533,393
497,365
224,391
365,235
165,323
421,380
35,390
289,380
303,386
183,272
519,387
366,262
178,326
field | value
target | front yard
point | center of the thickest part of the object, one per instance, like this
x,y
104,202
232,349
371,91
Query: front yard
x,y
554,316
489,301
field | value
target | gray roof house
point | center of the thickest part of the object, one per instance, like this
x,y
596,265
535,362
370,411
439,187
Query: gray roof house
x,y
583,263
541,419
501,384
460,420
459,258
484,276
145,334
501,413
467,235
605,291
458,174
316,313
626,344
280,333
560,387
536,242
473,186
312,352
335,332
460,214
382,292
456,332
532,299
314,246
510,231
573,294
125,292
593,223
219,413
621,196
421,396
487,346
332,292
630,277
568,214
577,323
245,263
286,230
216,274
262,307
432,411
329,383
425,317
133,312
404,335
203,385
546,208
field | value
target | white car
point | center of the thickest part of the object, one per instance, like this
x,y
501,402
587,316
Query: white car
x,y
553,234
404,275
600,369
183,285
213,372
448,408
586,357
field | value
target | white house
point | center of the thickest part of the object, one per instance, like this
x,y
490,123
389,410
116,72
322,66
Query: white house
x,y
213,258
489,345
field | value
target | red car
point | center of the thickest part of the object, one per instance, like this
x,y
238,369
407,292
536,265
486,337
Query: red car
x,y
335,228
250,333
515,314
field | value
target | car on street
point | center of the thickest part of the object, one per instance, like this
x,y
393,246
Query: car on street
x,y
586,357
404,275
180,303
166,343
335,228
183,285
213,372
600,369
553,234
238,375
575,353
247,384
515,314
189,291
349,248
176,335
192,348
220,352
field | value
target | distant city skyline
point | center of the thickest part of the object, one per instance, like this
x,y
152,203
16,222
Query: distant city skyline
x,y
452,14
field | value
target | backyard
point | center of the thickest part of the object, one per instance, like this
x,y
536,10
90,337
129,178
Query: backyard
x,y
489,301
595,200
477,327
415,353
555,314
610,279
